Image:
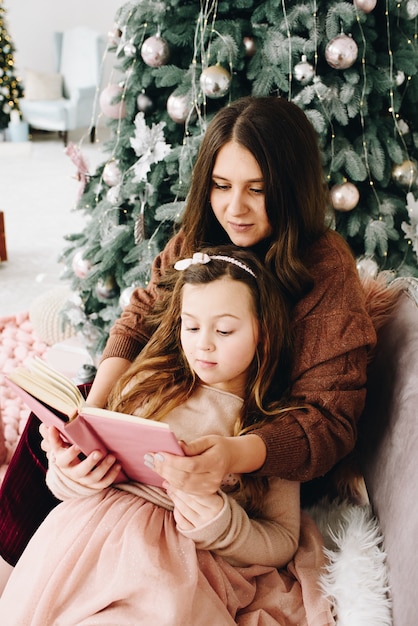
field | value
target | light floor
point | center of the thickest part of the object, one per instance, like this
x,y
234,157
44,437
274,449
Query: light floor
x,y
38,192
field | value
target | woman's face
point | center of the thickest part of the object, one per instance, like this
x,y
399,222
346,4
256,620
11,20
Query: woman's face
x,y
237,196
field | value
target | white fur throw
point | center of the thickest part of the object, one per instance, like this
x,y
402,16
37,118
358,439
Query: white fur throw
x,y
356,579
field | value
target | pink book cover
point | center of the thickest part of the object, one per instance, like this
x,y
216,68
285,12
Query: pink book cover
x,y
128,441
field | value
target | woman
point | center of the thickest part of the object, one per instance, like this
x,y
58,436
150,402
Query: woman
x,y
257,183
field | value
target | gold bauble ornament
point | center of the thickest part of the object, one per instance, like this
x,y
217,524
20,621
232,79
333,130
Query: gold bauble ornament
x,y
344,197
405,174
215,81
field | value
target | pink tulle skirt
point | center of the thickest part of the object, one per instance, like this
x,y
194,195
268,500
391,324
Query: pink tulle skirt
x,y
115,559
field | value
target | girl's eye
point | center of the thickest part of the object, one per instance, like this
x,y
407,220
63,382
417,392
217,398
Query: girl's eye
x,y
224,333
259,191
191,329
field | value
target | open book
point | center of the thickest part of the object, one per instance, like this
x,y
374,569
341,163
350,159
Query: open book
x,y
57,401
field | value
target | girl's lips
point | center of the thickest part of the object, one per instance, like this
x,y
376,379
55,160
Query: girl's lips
x,y
206,364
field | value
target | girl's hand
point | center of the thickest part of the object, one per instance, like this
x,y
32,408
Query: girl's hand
x,y
97,471
193,511
208,460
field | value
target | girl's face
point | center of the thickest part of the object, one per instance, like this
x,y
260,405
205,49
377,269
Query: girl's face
x,y
237,196
219,332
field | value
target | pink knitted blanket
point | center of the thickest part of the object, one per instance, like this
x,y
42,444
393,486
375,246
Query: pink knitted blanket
x,y
18,342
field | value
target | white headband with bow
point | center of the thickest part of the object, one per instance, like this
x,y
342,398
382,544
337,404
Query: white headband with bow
x,y
203,258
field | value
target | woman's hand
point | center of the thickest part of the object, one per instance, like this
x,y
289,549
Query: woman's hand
x,y
193,511
97,471
208,460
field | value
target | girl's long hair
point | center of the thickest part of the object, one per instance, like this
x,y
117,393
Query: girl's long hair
x,y
285,145
160,378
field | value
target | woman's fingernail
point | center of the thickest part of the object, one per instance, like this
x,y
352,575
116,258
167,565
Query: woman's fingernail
x,y
159,457
149,460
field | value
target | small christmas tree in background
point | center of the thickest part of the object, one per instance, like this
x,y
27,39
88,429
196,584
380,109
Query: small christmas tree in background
x,y
10,87
352,66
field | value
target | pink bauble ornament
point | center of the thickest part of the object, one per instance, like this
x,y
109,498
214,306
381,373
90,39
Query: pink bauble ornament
x,y
179,108
344,197
155,51
110,108
112,175
114,35
250,47
366,6
215,81
303,71
341,52
405,174
80,265
106,289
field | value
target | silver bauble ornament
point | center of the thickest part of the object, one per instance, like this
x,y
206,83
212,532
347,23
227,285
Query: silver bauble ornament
x,y
80,265
113,195
344,197
399,78
129,49
303,71
341,52
367,267
144,103
106,289
250,47
179,108
125,296
412,9
112,175
215,81
155,51
366,6
405,174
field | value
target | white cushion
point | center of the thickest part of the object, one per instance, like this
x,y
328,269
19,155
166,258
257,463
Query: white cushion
x,y
42,86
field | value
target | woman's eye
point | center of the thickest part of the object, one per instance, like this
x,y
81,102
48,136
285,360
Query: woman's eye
x,y
219,186
260,191
191,329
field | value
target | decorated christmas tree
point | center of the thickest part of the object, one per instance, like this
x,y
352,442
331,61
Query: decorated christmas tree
x,y
10,87
352,66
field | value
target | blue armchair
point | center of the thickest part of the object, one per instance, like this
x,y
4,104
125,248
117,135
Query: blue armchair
x,y
65,100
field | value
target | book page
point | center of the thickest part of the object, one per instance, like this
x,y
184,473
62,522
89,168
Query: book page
x,y
49,386
43,371
124,417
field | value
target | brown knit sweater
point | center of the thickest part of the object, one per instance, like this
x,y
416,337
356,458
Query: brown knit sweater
x,y
333,335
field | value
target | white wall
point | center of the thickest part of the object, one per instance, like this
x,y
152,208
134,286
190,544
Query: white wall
x,y
31,24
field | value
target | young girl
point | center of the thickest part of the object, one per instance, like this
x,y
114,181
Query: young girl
x,y
135,554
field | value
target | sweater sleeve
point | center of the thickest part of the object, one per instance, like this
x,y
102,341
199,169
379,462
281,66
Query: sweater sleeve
x,y
333,335
63,487
270,540
127,336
